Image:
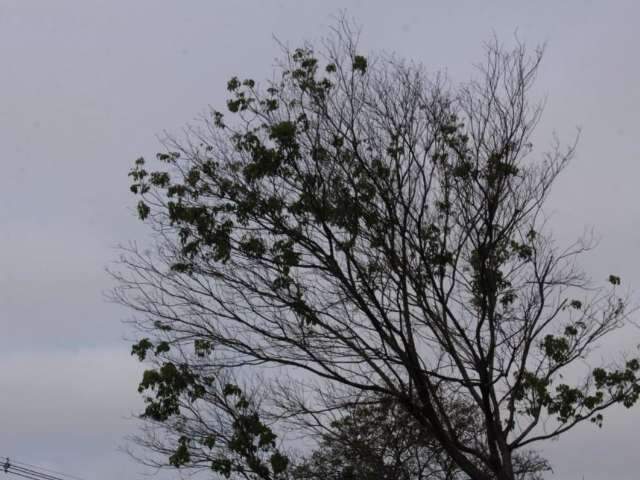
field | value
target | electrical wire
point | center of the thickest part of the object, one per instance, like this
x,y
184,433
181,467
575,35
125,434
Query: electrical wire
x,y
20,469
27,471
48,470
21,475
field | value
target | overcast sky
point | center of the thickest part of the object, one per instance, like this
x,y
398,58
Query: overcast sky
x,y
86,86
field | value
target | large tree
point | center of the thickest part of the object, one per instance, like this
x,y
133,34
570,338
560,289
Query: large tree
x,y
369,229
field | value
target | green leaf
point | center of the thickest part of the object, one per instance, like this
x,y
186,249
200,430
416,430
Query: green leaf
x,y
181,456
140,349
162,326
210,441
278,462
162,347
614,280
360,63
143,210
577,304
202,347
223,466
233,84
159,179
570,331
231,389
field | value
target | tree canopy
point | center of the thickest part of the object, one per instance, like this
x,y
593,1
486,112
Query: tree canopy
x,y
359,228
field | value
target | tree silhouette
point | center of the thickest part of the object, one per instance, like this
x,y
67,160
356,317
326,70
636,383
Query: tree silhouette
x,y
367,229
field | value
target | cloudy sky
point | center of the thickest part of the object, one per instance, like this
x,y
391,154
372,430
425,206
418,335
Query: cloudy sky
x,y
86,86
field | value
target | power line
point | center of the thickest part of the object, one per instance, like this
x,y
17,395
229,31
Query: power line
x,y
21,475
28,471
23,470
48,470
12,471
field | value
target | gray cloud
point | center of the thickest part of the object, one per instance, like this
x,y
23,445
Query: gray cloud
x,y
69,391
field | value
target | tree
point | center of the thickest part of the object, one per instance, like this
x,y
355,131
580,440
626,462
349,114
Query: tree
x,y
375,441
378,440
369,229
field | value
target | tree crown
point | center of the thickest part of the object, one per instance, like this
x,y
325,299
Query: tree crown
x,y
374,229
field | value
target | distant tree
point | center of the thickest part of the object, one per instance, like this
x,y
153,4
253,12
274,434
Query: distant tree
x,y
367,228
380,440
375,442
